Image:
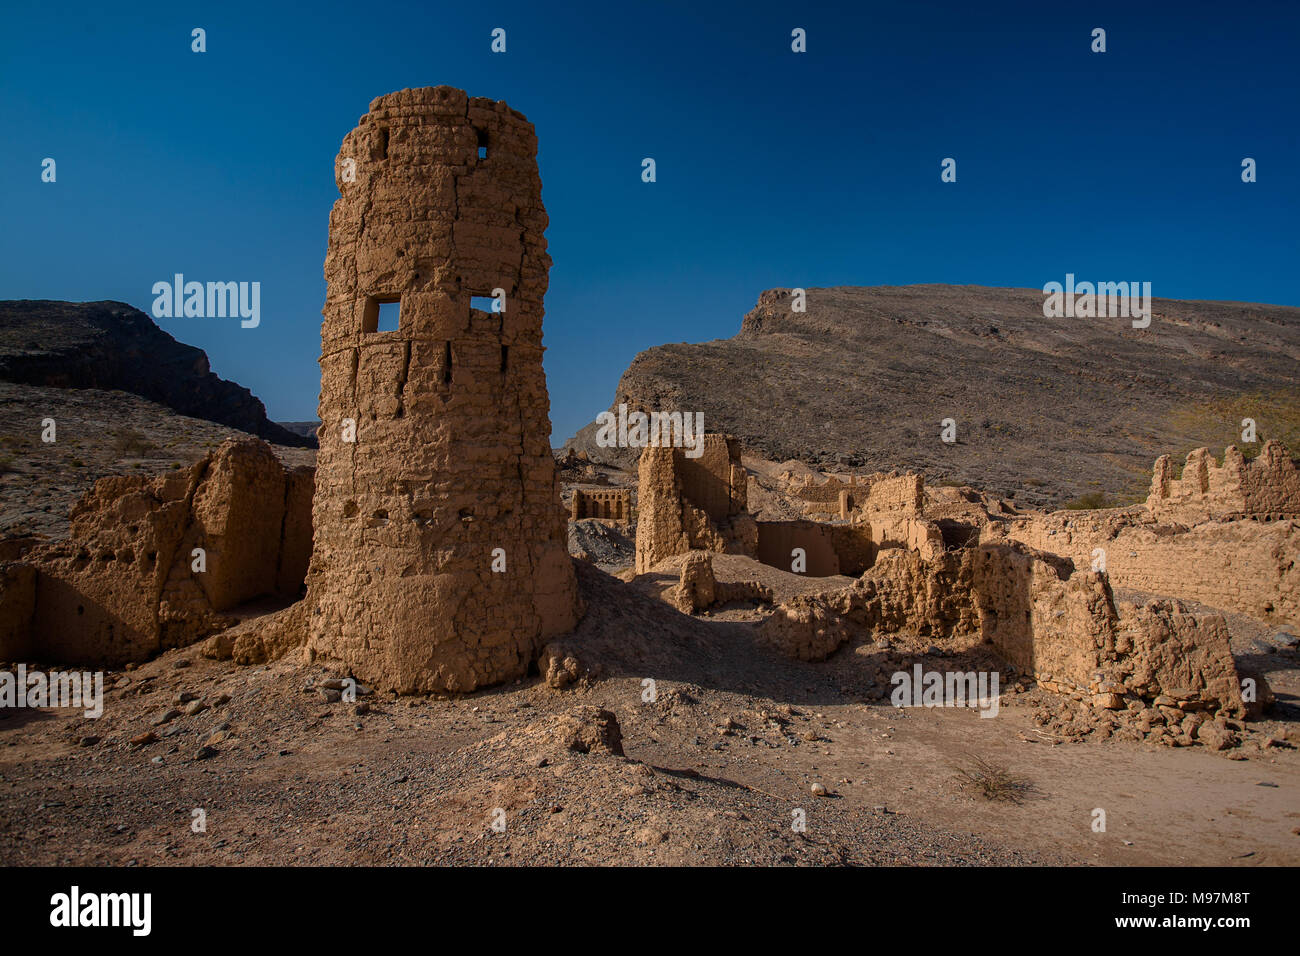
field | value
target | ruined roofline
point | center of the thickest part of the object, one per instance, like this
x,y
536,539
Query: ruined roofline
x,y
1266,484
419,100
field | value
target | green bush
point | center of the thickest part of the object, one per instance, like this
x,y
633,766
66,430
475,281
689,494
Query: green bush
x,y
1088,502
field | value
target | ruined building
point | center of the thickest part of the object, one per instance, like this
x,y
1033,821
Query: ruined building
x,y
155,562
440,559
606,504
702,504
693,503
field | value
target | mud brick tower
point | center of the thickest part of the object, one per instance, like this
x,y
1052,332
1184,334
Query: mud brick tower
x,y
450,460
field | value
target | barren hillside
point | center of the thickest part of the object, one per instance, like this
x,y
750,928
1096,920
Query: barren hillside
x,y
1046,409
112,346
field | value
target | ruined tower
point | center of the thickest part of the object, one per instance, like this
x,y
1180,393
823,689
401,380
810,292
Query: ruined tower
x,y
440,559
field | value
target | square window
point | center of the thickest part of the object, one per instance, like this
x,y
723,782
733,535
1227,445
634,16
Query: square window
x,y
382,314
390,316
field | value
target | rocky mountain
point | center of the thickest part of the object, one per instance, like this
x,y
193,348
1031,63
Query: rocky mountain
x,y
112,346
303,429
1046,409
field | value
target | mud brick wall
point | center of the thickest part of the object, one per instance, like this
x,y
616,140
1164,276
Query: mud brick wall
x,y
1268,484
123,586
692,503
776,539
1247,565
715,482
901,493
440,202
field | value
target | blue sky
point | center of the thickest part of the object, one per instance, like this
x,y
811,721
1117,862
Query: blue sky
x,y
774,168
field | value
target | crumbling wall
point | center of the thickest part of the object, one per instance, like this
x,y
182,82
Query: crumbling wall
x,y
1067,631
891,530
1063,628
1250,564
268,637
927,596
892,515
696,588
895,493
715,482
127,583
448,470
685,504
1268,484
829,497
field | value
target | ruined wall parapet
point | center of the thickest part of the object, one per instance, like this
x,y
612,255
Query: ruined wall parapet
x,y
1245,564
1206,489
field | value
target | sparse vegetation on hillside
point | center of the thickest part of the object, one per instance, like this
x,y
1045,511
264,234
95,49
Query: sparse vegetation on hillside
x,y
131,444
1216,423
1090,501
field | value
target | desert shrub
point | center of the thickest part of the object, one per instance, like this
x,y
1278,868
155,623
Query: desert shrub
x,y
993,781
1088,502
132,444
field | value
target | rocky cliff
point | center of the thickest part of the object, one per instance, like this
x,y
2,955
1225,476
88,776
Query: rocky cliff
x,y
110,345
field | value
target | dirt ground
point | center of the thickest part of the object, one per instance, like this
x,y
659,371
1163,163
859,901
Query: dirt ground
x,y
721,753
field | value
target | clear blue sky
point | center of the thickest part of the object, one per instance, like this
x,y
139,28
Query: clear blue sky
x,y
774,168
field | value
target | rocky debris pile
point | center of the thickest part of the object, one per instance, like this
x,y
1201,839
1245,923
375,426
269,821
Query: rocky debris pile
x,y
698,588
811,627
112,346
258,640
1176,719
598,542
561,665
582,730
